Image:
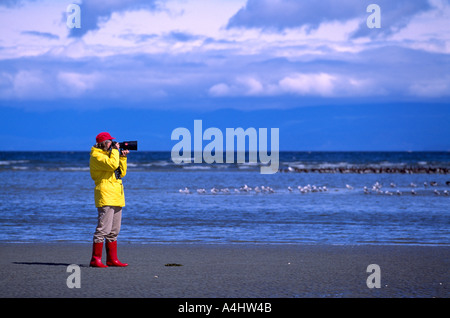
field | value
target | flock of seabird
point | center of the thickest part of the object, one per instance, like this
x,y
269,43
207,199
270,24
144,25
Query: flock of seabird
x,y
376,188
243,189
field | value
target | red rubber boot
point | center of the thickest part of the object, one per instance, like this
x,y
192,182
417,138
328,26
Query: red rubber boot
x,y
111,252
96,260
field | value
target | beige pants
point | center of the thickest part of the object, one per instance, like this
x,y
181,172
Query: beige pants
x,y
108,227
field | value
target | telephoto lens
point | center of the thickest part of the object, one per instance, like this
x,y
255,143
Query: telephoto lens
x,y
128,145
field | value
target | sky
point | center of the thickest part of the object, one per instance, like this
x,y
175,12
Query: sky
x,y
141,68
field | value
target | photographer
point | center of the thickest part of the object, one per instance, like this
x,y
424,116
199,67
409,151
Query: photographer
x,y
107,167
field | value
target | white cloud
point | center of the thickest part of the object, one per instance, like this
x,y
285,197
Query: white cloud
x,y
298,84
30,85
429,31
251,86
75,84
285,14
40,85
220,89
201,18
179,48
433,88
309,84
20,25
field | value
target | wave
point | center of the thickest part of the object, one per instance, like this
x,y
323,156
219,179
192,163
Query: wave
x,y
196,167
289,162
73,169
12,162
284,167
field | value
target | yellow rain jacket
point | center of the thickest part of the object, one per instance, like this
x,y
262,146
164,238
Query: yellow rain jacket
x,y
108,190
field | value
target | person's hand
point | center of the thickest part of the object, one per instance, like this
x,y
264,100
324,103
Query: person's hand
x,y
125,153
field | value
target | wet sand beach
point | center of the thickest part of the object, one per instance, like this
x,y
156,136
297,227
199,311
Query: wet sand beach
x,y
226,271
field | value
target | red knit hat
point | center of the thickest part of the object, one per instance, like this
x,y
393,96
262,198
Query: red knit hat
x,y
103,136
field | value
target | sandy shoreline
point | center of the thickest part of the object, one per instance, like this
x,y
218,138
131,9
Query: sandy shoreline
x,y
226,271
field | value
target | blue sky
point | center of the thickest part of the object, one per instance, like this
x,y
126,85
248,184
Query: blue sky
x,y
139,69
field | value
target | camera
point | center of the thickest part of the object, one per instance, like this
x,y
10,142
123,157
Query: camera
x,y
126,145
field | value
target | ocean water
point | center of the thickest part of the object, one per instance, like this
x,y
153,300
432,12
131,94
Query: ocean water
x,y
48,197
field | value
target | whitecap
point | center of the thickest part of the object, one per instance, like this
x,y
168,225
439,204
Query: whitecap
x,y
196,167
11,162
